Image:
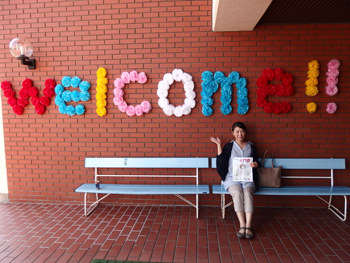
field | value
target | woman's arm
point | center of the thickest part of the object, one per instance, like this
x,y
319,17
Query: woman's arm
x,y
218,143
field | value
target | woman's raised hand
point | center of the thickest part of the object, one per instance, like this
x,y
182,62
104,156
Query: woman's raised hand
x,y
215,140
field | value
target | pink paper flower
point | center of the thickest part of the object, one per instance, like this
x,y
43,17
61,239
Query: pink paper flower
x,y
332,73
142,78
331,107
118,83
334,64
118,100
118,92
130,110
122,106
331,81
125,77
138,110
146,106
133,76
331,90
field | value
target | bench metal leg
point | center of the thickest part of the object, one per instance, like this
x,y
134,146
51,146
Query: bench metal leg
x,y
224,206
93,206
190,203
335,210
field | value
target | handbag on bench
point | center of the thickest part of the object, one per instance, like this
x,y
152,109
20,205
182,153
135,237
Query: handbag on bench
x,y
269,177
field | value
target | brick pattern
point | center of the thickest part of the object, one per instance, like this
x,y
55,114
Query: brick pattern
x,y
45,154
60,233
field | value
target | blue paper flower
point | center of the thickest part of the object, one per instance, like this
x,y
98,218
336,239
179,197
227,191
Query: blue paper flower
x,y
59,89
207,75
66,81
59,101
207,101
80,109
206,93
206,110
70,110
214,86
219,77
85,95
84,86
63,109
242,100
226,89
75,82
242,82
75,95
234,76
66,96
225,98
242,109
242,92
226,109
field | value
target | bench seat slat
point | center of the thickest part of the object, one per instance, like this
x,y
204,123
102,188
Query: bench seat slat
x,y
193,162
295,190
130,189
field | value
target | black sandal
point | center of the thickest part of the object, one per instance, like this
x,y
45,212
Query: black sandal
x,y
247,235
240,234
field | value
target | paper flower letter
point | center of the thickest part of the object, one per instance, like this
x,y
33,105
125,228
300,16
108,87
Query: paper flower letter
x,y
119,84
63,96
210,85
162,92
28,90
101,90
265,89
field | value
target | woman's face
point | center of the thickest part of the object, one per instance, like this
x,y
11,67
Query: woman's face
x,y
239,134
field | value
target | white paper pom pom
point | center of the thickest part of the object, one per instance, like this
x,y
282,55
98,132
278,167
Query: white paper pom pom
x,y
190,94
186,109
191,103
178,111
168,78
189,86
186,78
163,85
177,74
169,110
163,102
162,93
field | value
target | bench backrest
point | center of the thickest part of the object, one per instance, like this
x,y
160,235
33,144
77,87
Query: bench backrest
x,y
303,163
152,163
146,162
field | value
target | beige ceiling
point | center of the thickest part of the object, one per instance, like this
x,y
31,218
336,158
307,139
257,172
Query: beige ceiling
x,y
237,15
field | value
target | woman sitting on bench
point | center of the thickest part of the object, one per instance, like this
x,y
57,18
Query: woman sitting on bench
x,y
242,192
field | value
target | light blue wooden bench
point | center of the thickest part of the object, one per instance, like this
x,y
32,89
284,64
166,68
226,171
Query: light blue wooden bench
x,y
145,189
307,164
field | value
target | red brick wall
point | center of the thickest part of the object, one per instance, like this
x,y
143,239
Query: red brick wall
x,y
45,153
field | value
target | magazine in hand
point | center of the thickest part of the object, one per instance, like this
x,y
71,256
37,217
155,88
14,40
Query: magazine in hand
x,y
242,172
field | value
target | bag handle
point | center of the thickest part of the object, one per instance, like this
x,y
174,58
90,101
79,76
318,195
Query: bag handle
x,y
263,160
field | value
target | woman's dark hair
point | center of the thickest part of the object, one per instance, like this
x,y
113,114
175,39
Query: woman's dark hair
x,y
239,125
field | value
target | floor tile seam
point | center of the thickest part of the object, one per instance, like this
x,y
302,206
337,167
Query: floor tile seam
x,y
278,255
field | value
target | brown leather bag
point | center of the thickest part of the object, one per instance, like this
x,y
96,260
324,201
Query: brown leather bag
x,y
269,177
